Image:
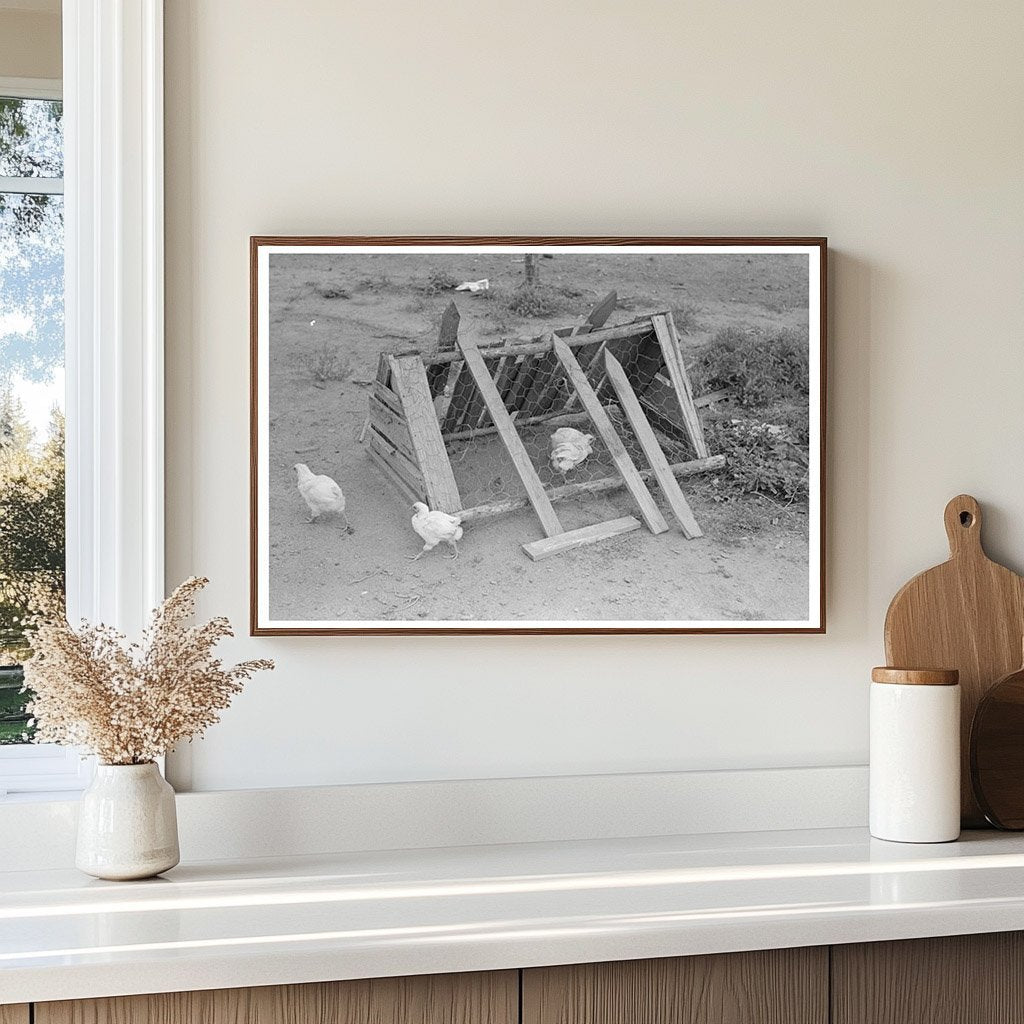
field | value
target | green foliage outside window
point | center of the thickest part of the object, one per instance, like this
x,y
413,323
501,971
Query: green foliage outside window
x,y
32,572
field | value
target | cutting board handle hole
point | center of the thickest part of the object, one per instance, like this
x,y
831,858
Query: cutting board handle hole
x,y
966,519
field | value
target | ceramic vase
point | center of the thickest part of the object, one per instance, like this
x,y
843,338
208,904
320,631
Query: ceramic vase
x,y
127,825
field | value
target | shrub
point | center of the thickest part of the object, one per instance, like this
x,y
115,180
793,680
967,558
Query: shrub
x,y
326,364
765,448
765,371
437,281
534,302
687,318
761,458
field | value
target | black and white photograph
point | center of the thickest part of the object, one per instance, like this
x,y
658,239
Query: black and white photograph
x,y
537,435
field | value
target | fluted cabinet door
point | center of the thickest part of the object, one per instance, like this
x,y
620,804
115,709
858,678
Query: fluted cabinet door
x,y
778,986
483,998
14,1014
960,979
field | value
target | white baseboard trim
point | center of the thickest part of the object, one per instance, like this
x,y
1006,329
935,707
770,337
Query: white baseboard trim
x,y
241,824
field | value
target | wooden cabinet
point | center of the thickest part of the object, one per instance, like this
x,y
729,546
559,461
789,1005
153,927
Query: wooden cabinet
x,y
962,979
491,998
778,986
967,979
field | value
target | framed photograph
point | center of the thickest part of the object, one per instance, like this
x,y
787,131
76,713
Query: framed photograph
x,y
537,435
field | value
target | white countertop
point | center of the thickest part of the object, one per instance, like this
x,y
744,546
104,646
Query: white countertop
x,y
297,919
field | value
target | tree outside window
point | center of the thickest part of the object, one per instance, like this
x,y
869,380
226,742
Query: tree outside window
x,y
31,386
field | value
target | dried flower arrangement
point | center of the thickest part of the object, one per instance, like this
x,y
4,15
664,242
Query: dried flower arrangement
x,y
130,703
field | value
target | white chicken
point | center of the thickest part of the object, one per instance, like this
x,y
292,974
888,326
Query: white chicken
x,y
435,527
569,447
321,494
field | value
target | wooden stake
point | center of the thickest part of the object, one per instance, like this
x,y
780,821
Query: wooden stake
x,y
513,443
652,449
668,340
603,486
623,463
410,380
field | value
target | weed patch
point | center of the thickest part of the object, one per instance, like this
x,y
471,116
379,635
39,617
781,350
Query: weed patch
x,y
765,433
687,318
529,303
327,364
436,282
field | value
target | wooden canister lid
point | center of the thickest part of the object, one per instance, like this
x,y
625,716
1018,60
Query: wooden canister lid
x,y
916,676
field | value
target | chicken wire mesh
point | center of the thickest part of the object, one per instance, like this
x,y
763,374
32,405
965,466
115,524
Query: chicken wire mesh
x,y
571,459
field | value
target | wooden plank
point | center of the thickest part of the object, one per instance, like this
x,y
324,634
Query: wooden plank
x,y
965,613
507,432
603,309
398,460
476,410
14,1014
605,485
668,340
557,418
772,986
571,539
506,370
593,359
623,463
509,373
547,369
539,345
557,387
555,397
411,385
391,425
383,370
523,382
447,334
586,354
392,437
478,998
677,347
393,478
644,363
960,979
712,397
462,394
655,456
386,396
701,401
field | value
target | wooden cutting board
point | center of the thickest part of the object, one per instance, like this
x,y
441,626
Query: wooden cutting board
x,y
967,614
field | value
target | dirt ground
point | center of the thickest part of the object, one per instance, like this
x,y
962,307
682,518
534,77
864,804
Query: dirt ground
x,y
337,312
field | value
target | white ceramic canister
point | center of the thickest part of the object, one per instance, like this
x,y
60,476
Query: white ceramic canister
x,y
915,755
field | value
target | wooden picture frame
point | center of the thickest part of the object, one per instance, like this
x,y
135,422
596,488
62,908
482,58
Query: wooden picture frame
x,y
433,368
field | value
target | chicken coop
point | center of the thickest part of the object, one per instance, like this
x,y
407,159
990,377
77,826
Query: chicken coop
x,y
470,428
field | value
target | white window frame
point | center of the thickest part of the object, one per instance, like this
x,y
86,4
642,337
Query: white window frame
x,y
114,322
37,767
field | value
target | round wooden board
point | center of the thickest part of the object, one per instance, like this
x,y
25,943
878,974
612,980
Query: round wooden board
x,y
997,752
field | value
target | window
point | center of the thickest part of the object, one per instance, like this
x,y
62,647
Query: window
x,y
32,531
111,203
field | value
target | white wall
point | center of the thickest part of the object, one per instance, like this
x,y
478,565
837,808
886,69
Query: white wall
x,y
895,129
